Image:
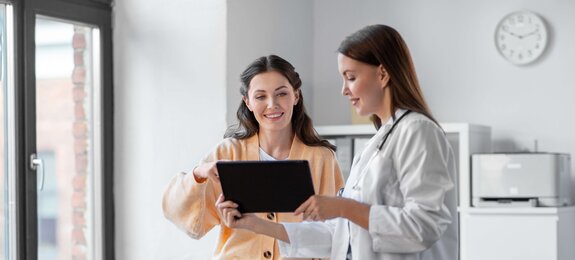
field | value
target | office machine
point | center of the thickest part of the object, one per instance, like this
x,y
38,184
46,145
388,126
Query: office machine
x,y
521,179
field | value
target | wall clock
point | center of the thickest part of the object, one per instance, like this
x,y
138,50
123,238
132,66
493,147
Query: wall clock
x,y
521,37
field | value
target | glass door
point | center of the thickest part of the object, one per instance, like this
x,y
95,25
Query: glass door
x,y
55,148
68,139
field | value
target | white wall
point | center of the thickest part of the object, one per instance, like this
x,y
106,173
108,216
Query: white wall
x,y
177,67
261,27
462,75
169,69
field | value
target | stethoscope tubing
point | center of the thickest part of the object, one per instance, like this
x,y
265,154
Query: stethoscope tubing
x,y
379,147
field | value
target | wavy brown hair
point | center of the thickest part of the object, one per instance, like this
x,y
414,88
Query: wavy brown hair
x,y
301,123
382,45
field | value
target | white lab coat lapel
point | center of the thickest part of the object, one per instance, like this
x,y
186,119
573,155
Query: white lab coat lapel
x,y
347,232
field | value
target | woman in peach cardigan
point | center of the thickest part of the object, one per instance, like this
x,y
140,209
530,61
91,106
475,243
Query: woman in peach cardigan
x,y
273,125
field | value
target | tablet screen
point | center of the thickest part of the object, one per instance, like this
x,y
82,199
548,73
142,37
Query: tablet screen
x,y
266,186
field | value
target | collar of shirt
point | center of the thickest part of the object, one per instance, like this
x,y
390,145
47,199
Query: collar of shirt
x,y
398,113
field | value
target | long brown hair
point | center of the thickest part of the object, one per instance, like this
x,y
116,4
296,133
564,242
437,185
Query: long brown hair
x,y
301,123
382,45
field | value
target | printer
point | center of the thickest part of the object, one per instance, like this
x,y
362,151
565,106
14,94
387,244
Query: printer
x,y
520,180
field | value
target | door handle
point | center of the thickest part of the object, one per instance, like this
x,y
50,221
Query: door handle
x,y
36,164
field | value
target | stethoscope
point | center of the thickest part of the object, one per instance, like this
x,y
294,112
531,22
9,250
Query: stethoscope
x,y
379,147
391,130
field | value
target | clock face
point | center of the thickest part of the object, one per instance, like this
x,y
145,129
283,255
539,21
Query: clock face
x,y
521,37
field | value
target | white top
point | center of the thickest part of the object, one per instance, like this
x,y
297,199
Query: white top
x,y
410,185
265,156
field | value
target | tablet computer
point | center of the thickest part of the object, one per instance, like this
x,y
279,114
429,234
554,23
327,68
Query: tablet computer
x,y
266,186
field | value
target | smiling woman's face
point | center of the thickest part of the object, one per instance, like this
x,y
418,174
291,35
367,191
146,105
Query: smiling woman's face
x,y
272,98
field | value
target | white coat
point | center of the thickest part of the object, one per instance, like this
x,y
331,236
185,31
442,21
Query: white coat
x,y
410,185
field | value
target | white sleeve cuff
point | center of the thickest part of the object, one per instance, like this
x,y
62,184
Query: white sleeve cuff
x,y
307,239
289,249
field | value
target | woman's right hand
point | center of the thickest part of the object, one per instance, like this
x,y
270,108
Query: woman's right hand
x,y
206,171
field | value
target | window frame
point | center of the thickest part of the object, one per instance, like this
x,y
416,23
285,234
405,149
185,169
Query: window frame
x,y
98,13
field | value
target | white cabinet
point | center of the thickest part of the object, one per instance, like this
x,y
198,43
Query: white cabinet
x,y
519,233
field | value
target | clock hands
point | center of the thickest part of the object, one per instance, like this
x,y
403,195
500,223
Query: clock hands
x,y
511,33
521,36
529,34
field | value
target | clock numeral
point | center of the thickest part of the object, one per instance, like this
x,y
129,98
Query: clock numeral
x,y
520,56
503,47
529,53
537,46
520,19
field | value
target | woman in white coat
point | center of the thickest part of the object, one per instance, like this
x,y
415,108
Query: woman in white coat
x,y
399,201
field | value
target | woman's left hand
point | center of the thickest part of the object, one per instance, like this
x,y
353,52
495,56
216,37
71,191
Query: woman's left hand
x,y
320,208
232,218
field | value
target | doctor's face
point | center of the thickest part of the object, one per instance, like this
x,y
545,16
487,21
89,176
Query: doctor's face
x,y
272,98
363,84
